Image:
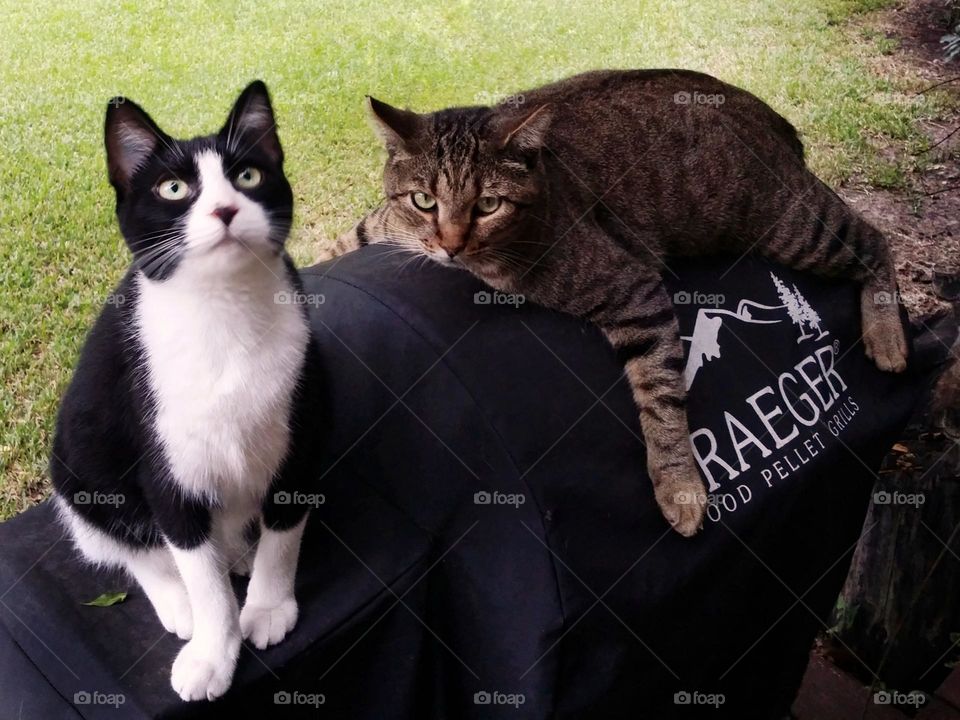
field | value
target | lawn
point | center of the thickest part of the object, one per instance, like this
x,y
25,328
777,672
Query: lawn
x,y
60,251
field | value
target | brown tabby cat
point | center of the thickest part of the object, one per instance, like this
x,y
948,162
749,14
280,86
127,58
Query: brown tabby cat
x,y
577,195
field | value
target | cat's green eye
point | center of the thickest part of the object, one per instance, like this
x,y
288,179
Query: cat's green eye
x,y
248,178
424,201
174,189
487,204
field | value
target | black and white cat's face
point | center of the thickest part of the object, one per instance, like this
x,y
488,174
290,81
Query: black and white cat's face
x,y
211,205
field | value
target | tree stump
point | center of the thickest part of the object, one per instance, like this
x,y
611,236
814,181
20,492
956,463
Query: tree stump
x,y
898,617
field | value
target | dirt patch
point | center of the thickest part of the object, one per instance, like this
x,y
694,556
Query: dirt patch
x,y
922,219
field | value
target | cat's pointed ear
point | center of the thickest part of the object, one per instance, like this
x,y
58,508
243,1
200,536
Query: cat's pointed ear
x,y
526,132
251,123
131,138
398,129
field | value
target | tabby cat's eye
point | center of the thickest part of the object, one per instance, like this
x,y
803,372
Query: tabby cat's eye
x,y
487,204
174,189
248,178
424,201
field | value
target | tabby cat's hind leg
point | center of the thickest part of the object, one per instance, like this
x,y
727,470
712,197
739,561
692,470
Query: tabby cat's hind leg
x,y
883,335
820,233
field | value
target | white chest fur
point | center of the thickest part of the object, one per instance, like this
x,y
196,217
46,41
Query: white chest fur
x,y
223,359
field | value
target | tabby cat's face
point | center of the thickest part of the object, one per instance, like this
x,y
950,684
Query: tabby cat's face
x,y
464,183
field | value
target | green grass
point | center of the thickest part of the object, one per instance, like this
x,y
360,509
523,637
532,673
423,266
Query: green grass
x,y
60,251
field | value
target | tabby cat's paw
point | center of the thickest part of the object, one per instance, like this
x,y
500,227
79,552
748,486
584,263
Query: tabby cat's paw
x,y
883,336
886,344
683,503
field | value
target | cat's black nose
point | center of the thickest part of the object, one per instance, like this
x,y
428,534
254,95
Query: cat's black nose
x,y
226,214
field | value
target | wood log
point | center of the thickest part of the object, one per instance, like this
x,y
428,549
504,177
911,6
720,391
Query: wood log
x,y
898,617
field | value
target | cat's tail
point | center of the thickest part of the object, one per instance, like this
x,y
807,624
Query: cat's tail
x,y
347,242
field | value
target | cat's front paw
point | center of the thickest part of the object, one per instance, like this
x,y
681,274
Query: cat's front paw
x,y
683,503
267,625
203,671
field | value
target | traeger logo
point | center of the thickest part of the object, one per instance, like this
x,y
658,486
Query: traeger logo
x,y
786,421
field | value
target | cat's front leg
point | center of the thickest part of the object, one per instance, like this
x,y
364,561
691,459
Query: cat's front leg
x,y
203,670
270,609
642,326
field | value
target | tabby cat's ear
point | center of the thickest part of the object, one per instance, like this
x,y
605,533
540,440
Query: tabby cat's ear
x,y
398,129
131,137
525,132
251,123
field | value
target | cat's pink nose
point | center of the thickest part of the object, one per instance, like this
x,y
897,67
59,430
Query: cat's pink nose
x,y
452,238
226,213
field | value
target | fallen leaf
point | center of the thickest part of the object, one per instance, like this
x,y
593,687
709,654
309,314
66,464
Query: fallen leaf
x,y
108,599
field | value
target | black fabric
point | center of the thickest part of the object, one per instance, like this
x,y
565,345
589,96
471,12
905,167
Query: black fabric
x,y
565,595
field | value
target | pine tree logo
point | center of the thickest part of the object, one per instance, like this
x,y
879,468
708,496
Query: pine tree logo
x,y
706,338
809,315
800,311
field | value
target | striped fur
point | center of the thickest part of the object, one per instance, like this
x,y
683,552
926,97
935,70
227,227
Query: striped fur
x,y
601,179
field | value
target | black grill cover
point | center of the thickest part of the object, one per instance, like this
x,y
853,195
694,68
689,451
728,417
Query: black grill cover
x,y
489,545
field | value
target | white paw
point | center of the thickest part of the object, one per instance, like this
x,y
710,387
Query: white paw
x,y
266,626
173,608
204,673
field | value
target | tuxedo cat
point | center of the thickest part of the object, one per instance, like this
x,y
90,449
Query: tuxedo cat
x,y
183,441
